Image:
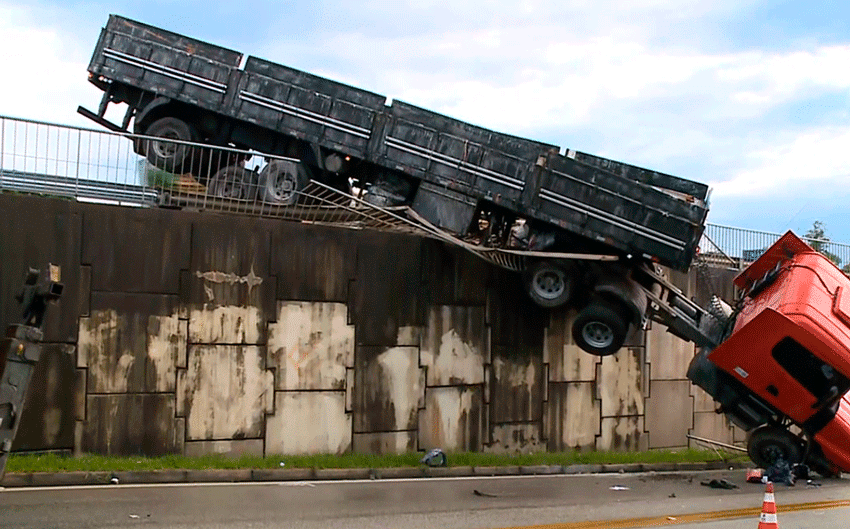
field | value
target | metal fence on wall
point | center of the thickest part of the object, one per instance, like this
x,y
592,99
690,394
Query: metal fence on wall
x,y
100,166
736,247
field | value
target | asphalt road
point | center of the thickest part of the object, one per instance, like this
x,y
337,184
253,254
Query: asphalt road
x,y
564,502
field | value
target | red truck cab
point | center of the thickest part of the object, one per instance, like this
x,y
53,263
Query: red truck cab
x,y
784,369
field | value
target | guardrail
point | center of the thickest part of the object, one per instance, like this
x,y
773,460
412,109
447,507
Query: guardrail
x,y
96,165
737,247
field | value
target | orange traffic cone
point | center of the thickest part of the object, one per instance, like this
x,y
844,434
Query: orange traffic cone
x,y
768,510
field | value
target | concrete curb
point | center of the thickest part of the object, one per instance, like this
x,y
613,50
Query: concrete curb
x,y
58,479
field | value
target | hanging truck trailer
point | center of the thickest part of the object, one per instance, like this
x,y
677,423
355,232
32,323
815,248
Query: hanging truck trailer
x,y
615,220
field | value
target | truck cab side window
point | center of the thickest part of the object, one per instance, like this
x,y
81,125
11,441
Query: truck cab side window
x,y
819,379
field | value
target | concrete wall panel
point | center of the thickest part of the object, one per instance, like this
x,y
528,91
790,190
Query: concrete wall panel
x,y
387,388
454,346
622,434
312,263
308,422
36,231
134,424
514,319
702,400
573,416
515,439
231,324
453,276
669,413
244,447
567,363
311,345
385,442
49,409
387,293
453,419
133,346
516,387
136,250
621,383
230,261
710,425
667,355
225,392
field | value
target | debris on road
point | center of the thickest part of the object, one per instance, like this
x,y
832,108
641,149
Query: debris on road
x,y
780,472
619,487
485,494
719,484
754,475
435,458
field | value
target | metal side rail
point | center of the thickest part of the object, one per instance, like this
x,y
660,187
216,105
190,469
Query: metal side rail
x,y
79,188
682,316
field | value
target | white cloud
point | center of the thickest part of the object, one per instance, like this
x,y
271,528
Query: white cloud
x,y
44,78
813,161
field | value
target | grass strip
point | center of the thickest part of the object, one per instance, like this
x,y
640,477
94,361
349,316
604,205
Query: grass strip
x,y
53,462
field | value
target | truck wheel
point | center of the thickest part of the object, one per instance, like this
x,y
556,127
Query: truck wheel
x,y
280,182
233,182
549,284
768,444
168,156
600,328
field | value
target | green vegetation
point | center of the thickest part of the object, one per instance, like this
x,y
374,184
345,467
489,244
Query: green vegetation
x,y
159,178
62,463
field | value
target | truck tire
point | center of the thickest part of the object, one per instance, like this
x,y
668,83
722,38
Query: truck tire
x,y
767,444
600,328
172,157
280,182
549,283
234,183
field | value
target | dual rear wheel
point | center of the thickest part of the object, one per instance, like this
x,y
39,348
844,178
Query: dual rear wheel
x,y
600,328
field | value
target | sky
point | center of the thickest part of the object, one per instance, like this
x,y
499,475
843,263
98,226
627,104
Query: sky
x,y
747,96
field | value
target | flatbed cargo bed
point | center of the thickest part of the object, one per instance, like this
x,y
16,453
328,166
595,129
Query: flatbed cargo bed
x,y
458,168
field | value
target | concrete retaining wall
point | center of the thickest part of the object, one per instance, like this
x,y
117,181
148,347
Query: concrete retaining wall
x,y
195,333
